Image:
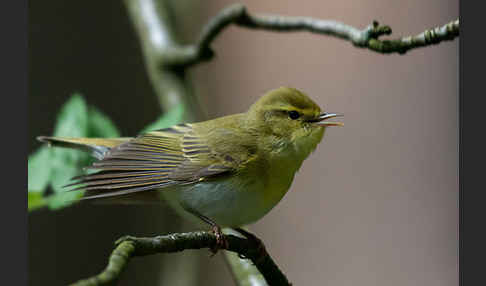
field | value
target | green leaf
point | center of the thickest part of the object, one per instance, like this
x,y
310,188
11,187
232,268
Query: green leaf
x,y
72,120
66,163
64,199
172,117
99,125
39,169
55,167
36,201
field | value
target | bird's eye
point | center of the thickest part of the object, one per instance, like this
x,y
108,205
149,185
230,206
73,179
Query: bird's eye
x,y
294,114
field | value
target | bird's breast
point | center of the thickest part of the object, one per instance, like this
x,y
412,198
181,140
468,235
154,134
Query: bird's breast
x,y
231,201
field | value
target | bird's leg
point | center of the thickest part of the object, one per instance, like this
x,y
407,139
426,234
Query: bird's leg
x,y
262,252
221,242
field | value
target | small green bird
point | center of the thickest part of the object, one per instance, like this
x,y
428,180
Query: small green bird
x,y
229,171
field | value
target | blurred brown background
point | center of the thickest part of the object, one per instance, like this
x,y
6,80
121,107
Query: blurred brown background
x,y
375,204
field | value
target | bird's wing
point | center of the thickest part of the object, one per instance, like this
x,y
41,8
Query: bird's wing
x,y
157,159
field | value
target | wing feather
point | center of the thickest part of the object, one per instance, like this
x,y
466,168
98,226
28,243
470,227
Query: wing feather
x,y
154,160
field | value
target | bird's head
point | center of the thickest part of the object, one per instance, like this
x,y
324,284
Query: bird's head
x,y
290,118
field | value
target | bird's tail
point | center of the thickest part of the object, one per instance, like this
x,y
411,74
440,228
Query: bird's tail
x,y
98,147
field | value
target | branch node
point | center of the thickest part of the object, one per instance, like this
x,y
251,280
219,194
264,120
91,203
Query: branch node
x,y
375,30
180,58
123,239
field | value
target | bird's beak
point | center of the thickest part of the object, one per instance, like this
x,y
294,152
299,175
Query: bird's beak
x,y
320,120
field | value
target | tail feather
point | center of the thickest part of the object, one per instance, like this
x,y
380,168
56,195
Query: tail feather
x,y
98,147
128,187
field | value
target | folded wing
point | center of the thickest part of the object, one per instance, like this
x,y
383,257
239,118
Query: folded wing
x,y
154,160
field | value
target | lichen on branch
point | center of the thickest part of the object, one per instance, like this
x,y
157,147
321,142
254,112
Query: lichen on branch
x,y
237,14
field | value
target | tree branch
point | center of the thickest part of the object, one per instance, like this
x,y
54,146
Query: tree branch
x,y
151,20
128,247
243,271
186,56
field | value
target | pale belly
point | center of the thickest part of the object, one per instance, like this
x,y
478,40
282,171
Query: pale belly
x,y
228,202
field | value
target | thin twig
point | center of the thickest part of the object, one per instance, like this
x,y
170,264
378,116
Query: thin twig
x,y
128,247
186,56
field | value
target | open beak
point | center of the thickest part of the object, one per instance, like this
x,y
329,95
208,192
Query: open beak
x,y
321,120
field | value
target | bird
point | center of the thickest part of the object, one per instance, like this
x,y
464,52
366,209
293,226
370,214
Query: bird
x,y
227,172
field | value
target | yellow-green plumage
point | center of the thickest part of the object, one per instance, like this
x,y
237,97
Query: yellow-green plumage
x,y
232,169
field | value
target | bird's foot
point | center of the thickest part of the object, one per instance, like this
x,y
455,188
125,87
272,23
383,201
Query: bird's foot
x,y
221,242
260,247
